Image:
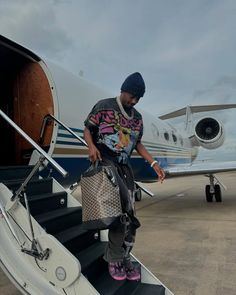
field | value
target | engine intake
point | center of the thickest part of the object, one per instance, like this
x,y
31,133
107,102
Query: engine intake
x,y
209,133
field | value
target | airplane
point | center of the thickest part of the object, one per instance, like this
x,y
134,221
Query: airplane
x,y
32,90
44,248
42,110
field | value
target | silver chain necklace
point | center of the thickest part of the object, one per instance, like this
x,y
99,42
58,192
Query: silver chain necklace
x,y
123,110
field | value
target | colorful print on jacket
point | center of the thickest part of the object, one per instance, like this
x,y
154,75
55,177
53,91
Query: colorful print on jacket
x,y
111,127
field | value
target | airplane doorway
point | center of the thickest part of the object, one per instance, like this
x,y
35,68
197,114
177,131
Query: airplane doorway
x,y
7,147
25,97
32,102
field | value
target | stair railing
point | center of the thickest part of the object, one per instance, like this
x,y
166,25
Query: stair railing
x,y
34,144
43,156
50,117
35,250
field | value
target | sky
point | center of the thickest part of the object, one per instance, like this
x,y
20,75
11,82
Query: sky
x,y
185,49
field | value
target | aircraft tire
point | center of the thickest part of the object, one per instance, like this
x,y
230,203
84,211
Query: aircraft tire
x,y
218,195
138,195
209,196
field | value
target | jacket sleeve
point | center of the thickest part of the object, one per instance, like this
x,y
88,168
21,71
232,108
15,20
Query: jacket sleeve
x,y
94,117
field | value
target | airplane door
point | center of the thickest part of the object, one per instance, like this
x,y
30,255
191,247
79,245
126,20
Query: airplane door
x,y
32,102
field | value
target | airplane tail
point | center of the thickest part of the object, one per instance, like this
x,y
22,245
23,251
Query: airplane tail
x,y
189,110
197,109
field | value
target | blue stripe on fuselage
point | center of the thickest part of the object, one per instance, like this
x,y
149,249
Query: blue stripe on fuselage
x,y
141,168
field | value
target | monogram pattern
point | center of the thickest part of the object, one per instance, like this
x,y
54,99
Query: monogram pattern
x,y
100,197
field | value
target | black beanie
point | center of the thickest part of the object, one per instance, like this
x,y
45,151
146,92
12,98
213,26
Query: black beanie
x,y
134,84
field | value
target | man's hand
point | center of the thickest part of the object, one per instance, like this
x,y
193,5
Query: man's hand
x,y
148,157
160,172
94,154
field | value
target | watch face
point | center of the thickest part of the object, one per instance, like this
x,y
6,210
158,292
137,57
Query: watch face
x,y
60,273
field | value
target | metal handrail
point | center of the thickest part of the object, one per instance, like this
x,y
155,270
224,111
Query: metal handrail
x,y
35,249
49,116
34,144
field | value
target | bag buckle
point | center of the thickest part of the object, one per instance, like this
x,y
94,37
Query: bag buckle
x,y
124,218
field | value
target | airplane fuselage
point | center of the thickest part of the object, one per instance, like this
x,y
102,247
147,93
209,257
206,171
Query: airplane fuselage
x,y
32,89
162,140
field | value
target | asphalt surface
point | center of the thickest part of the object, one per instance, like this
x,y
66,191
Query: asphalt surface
x,y
189,244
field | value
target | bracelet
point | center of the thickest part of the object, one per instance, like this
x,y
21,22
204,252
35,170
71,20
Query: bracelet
x,y
153,163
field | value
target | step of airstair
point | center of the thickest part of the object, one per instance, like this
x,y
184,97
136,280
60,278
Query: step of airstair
x,y
59,220
34,187
76,238
48,202
50,209
15,172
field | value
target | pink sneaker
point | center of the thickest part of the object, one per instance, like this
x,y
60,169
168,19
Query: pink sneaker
x,y
117,271
132,273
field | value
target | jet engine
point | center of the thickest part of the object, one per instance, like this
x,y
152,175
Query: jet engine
x,y
209,133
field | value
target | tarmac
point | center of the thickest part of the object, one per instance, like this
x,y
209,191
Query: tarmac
x,y
189,244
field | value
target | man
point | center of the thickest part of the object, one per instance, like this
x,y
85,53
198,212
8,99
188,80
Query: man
x,y
113,129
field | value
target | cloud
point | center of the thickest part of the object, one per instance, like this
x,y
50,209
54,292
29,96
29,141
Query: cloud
x,y
184,49
229,81
223,90
34,24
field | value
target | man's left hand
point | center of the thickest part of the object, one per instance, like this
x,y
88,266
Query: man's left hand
x,y
160,172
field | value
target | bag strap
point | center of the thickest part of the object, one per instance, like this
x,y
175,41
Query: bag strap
x,y
96,164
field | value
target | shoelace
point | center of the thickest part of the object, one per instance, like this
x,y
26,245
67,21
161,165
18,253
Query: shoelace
x,y
118,267
129,270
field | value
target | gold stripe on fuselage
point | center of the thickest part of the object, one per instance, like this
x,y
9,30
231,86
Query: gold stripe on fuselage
x,y
69,151
84,151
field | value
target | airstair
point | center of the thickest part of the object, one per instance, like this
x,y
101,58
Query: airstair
x,y
44,249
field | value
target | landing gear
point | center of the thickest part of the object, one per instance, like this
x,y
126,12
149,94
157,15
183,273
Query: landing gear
x,y
218,196
138,195
213,190
138,189
209,195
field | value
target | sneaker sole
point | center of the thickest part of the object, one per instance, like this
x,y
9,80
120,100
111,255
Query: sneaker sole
x,y
119,278
134,279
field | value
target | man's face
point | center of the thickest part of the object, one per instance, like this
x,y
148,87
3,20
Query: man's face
x,y
128,100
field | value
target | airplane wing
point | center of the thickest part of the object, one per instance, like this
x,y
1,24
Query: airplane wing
x,y
204,167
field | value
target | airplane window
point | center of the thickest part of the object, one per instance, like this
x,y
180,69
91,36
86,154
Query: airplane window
x,y
174,137
166,135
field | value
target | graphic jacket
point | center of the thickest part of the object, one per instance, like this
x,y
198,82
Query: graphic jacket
x,y
115,130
